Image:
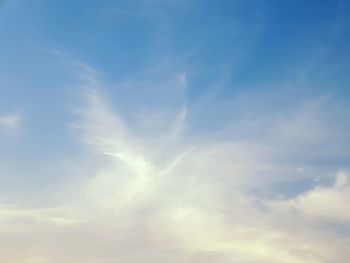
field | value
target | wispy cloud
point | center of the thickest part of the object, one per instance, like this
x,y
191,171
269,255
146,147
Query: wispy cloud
x,y
203,195
175,197
10,123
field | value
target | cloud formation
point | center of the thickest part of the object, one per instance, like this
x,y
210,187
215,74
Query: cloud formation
x,y
171,196
10,123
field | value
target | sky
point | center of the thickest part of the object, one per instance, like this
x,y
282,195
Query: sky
x,y
179,131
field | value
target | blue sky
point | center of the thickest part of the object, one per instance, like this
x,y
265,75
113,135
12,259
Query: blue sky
x,y
174,131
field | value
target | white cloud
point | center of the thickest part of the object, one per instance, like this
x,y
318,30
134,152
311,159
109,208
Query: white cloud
x,y
10,123
322,202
